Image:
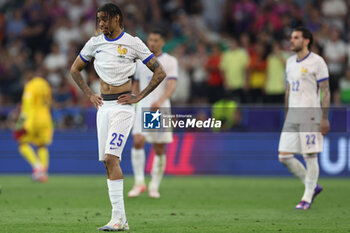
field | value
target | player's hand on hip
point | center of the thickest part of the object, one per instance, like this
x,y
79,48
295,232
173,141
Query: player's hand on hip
x,y
127,99
155,105
324,126
96,100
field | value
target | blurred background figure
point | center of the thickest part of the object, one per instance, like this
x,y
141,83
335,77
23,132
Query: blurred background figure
x,y
234,64
275,81
225,110
257,73
342,96
215,79
34,125
46,35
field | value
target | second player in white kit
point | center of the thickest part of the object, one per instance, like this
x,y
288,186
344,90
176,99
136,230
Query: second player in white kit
x,y
158,99
306,114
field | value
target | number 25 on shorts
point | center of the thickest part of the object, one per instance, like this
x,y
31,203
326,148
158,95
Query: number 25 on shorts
x,y
116,142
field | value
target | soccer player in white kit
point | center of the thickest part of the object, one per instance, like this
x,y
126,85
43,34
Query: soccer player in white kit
x,y
115,52
159,98
306,114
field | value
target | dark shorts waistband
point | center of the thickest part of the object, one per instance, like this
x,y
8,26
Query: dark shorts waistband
x,y
107,97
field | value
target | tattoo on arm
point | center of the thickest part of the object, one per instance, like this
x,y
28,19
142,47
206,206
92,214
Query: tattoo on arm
x,y
157,78
326,98
77,66
81,83
153,64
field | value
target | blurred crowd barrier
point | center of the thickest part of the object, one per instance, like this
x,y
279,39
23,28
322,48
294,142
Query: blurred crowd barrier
x,y
190,153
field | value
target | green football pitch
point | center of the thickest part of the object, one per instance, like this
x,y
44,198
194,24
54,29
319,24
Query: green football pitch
x,y
188,204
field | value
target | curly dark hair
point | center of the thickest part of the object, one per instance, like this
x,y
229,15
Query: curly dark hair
x,y
111,10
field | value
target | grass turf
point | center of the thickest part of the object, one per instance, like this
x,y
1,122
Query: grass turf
x,y
188,204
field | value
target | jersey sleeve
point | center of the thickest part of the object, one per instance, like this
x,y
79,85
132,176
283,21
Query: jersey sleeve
x,y
87,53
142,52
322,71
173,69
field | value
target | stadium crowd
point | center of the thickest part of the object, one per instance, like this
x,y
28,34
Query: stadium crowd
x,y
226,48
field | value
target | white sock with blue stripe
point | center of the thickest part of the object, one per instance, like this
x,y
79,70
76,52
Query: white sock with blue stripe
x,y
115,191
311,178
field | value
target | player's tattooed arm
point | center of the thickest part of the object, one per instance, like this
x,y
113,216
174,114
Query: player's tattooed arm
x,y
325,103
78,66
158,76
326,98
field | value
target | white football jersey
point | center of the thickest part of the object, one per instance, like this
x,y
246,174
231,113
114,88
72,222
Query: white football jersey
x,y
115,59
144,75
303,77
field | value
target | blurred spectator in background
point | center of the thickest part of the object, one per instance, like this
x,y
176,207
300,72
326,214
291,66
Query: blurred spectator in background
x,y
215,79
335,12
343,94
239,15
182,91
199,75
211,14
65,98
275,83
55,63
257,73
234,64
335,55
246,43
35,33
224,110
15,25
65,33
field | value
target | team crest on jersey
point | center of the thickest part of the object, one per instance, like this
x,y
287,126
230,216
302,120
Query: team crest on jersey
x,y
303,70
122,51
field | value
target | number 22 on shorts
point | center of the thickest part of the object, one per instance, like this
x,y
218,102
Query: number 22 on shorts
x,y
115,145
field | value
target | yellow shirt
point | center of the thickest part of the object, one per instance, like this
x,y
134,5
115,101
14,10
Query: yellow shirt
x,y
36,102
275,75
233,65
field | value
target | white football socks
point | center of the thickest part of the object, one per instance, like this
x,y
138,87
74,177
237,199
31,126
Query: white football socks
x,y
311,177
138,165
294,166
115,191
157,172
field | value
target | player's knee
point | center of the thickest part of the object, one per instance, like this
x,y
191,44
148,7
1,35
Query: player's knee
x,y
111,161
139,141
159,149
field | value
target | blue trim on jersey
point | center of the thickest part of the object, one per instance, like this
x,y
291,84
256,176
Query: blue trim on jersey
x,y
84,60
322,79
172,77
304,57
107,39
148,58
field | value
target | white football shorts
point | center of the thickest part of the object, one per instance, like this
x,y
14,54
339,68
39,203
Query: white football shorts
x,y
156,136
114,122
301,139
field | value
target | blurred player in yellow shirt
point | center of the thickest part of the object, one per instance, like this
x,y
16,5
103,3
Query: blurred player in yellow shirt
x,y
34,125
